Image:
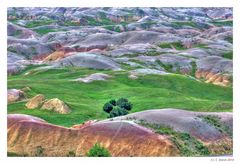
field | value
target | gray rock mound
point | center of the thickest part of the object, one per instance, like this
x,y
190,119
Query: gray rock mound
x,y
132,49
28,48
145,71
88,60
184,121
20,32
14,64
216,70
215,64
195,53
93,77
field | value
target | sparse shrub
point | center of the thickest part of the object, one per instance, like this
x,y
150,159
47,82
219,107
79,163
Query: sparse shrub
x,y
167,67
39,151
215,121
223,105
194,68
108,107
229,39
71,154
177,45
45,31
98,151
223,23
117,29
117,111
185,23
36,23
188,145
12,154
12,49
109,27
17,33
228,55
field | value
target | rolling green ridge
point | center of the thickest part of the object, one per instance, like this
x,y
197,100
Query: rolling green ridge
x,y
86,99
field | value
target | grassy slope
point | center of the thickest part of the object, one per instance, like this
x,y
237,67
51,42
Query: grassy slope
x,y
146,92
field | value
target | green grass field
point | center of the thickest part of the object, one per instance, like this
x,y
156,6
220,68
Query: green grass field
x,y
86,100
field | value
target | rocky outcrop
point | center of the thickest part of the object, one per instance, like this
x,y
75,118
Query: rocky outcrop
x,y
214,69
88,60
222,13
72,35
177,37
214,78
14,63
103,40
121,138
14,95
29,48
132,49
168,63
194,53
54,56
20,32
143,71
35,102
176,63
117,15
93,77
56,105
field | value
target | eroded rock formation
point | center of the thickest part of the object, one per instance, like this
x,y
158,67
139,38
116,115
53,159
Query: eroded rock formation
x,y
35,102
14,95
122,136
27,134
56,105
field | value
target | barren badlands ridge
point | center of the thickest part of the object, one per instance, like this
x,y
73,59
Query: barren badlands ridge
x,y
173,64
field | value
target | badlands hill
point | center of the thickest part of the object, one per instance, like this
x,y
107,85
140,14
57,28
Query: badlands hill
x,y
125,136
193,41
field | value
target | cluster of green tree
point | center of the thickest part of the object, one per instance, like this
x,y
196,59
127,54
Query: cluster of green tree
x,y
117,108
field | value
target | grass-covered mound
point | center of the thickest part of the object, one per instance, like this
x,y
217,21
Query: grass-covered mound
x,y
86,99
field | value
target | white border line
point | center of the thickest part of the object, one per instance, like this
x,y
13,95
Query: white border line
x,y
116,3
